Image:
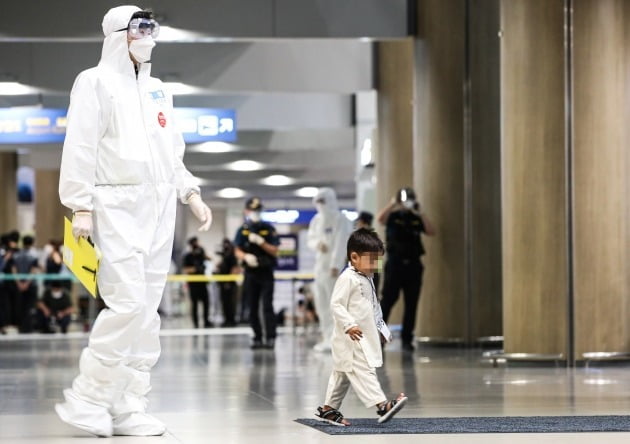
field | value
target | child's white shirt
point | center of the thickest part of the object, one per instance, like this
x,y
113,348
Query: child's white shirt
x,y
354,303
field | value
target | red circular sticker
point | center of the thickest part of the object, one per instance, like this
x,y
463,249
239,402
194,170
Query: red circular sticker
x,y
161,119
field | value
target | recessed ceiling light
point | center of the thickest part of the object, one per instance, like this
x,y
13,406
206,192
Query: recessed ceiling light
x,y
245,165
277,180
16,89
307,192
213,147
230,193
170,34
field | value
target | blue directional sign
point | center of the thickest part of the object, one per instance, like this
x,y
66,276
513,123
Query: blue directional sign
x,y
48,125
32,125
206,124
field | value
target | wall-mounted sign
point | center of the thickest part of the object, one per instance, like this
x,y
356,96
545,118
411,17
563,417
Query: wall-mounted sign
x,y
206,124
288,253
32,125
48,125
298,217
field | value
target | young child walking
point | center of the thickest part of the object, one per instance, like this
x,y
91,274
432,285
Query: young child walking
x,y
358,334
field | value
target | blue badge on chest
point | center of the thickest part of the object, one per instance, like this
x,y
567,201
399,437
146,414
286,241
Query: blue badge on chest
x,y
158,96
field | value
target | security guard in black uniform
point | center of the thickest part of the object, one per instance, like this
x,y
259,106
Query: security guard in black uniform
x,y
194,262
256,246
404,224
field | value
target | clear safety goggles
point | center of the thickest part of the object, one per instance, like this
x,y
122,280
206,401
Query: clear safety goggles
x,y
140,28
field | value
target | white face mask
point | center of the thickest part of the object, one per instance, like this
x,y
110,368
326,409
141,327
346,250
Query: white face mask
x,y
141,49
408,204
320,207
254,216
56,294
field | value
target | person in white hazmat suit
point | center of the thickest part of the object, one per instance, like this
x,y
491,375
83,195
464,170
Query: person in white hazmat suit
x,y
121,173
328,234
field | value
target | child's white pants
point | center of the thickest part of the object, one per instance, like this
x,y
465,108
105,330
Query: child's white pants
x,y
363,380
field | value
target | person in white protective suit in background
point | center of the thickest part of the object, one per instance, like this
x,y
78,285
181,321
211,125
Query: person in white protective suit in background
x,y
121,174
328,234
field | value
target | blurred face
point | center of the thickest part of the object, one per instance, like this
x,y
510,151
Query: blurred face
x,y
252,216
366,263
140,38
320,205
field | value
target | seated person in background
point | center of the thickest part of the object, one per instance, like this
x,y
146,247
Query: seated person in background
x,y
306,313
54,307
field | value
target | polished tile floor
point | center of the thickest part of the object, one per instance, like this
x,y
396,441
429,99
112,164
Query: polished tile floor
x,y
209,387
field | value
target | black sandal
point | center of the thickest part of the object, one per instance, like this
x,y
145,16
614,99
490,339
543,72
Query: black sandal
x,y
390,408
331,416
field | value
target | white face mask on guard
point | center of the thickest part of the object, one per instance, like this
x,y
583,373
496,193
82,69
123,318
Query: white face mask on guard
x,y
409,204
141,49
254,216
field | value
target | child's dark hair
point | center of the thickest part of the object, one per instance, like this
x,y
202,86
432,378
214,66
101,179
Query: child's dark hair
x,y
364,241
144,14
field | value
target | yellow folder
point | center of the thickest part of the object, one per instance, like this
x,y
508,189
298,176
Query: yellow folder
x,y
81,257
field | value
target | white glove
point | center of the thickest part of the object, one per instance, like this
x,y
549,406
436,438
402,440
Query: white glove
x,y
256,239
250,260
82,224
201,211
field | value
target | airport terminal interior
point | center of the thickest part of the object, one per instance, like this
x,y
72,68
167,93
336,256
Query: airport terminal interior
x,y
483,141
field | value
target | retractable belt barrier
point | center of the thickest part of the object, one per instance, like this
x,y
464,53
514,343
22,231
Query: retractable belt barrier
x,y
293,278
279,276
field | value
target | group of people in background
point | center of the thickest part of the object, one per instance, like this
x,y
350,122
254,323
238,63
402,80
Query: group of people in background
x,y
26,306
328,233
195,262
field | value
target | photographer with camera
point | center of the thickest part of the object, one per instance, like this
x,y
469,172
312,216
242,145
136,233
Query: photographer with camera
x,y
404,225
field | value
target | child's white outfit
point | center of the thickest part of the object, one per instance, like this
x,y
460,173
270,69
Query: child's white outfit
x,y
354,304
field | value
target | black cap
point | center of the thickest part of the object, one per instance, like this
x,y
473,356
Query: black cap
x,y
254,204
192,240
366,217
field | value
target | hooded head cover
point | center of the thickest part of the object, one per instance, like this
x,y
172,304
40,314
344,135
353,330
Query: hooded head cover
x,y
329,204
115,52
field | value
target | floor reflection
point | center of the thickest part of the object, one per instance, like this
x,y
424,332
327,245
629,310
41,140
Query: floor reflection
x,y
213,378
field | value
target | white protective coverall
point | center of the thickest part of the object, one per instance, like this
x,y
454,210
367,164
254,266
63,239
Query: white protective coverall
x,y
328,234
122,160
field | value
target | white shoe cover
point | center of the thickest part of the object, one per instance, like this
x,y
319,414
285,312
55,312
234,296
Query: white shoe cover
x,y
138,424
84,415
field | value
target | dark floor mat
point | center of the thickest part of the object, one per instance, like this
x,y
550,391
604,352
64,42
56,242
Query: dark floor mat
x,y
477,424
